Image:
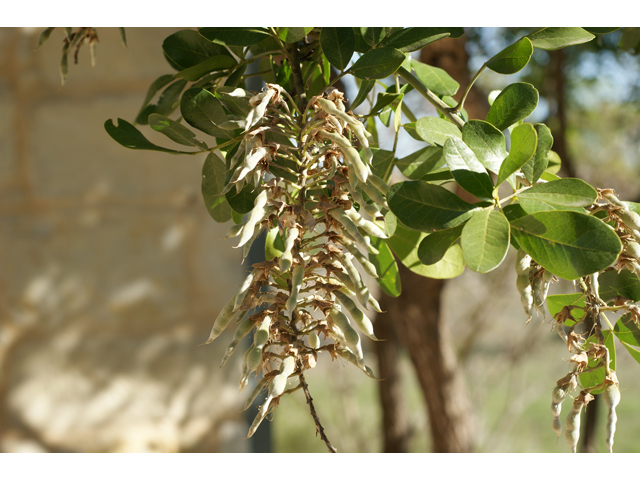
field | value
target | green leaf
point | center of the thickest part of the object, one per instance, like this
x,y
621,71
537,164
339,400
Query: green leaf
x,y
435,79
553,38
211,64
175,131
242,202
623,283
235,100
487,142
568,244
384,99
166,102
469,173
427,207
130,137
555,303
385,263
627,332
274,244
202,110
515,103
436,131
601,30
513,58
596,377
372,35
536,166
238,36
563,194
44,36
382,163
157,84
377,63
213,173
404,244
524,140
421,162
187,48
434,246
414,38
485,240
338,45
365,87
292,34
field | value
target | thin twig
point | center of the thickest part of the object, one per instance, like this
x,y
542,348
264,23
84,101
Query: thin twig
x,y
319,429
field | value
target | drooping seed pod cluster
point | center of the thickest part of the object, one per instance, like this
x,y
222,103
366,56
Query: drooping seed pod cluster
x,y
532,283
309,183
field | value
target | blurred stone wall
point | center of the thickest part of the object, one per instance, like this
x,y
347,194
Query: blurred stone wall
x,y
111,270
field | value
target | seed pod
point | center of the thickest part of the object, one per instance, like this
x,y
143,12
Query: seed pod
x,y
572,425
259,104
349,153
221,321
349,356
286,259
247,246
526,295
345,280
540,289
369,227
373,303
379,184
254,354
242,331
632,249
276,388
361,291
630,218
374,195
264,381
297,277
244,289
364,261
558,395
234,231
612,399
256,214
313,339
344,220
610,196
523,263
350,335
362,321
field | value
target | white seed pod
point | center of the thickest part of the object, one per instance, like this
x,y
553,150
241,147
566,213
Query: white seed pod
x,y
286,259
344,280
264,381
343,219
361,290
350,335
572,425
349,153
630,218
259,103
362,321
313,339
612,399
234,231
632,249
257,213
247,246
244,327
297,277
369,227
526,295
558,395
222,320
364,261
373,303
379,184
523,263
254,354
356,127
350,357
244,289
276,388
374,194
610,196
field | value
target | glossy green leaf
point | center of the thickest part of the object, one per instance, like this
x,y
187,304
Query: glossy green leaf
x,y
382,163
516,102
211,64
202,110
555,303
568,244
553,38
384,99
469,173
513,58
175,131
166,102
130,137
274,244
434,246
238,36
435,79
427,207
242,202
235,100
338,45
436,131
414,38
563,194
624,284
377,63
601,30
385,263
213,173
365,87
596,377
292,34
485,240
421,162
187,48
524,140
404,244
536,166
372,35
487,142
629,334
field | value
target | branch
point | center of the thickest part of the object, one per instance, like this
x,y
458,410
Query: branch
x,y
319,428
431,97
